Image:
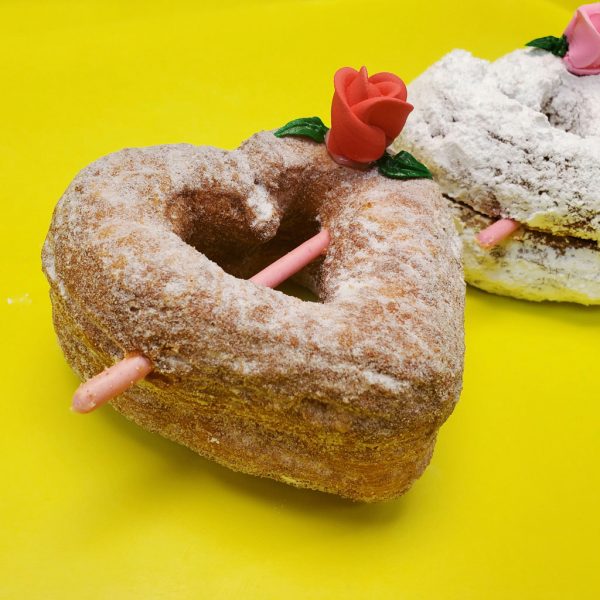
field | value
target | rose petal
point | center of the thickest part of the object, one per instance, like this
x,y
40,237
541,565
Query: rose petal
x,y
342,80
585,45
365,150
389,114
359,88
583,34
352,138
390,85
391,90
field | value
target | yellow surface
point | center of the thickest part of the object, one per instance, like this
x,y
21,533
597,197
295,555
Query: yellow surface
x,y
93,507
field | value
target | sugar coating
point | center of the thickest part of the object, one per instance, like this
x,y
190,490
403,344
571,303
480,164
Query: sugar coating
x,y
343,395
517,138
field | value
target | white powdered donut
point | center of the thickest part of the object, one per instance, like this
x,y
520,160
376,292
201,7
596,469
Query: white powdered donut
x,y
517,138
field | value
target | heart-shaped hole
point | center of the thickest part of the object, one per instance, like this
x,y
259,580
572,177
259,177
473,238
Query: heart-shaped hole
x,y
236,250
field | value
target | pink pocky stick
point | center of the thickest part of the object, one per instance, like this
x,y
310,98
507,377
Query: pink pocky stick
x,y
497,232
110,383
114,380
293,261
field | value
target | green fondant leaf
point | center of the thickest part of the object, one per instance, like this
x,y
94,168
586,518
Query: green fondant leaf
x,y
402,166
311,127
558,46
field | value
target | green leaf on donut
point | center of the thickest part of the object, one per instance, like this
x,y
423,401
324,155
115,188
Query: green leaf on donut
x,y
311,127
558,46
402,166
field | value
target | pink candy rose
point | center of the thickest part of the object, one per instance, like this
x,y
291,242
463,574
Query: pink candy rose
x,y
583,35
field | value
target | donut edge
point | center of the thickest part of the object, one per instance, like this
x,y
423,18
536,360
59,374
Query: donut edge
x,y
531,265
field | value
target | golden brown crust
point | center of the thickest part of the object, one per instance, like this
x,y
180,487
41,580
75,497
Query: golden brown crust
x,y
345,395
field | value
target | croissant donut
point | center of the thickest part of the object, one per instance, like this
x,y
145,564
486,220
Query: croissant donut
x,y
147,252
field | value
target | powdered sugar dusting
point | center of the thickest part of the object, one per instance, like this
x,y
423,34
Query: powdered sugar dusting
x,y
378,360
260,202
517,138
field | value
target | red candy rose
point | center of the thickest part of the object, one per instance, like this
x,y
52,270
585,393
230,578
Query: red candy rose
x,y
367,114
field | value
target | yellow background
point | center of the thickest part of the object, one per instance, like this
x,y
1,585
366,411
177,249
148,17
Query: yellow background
x,y
93,507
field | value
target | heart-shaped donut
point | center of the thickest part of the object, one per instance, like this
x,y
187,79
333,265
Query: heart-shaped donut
x,y
147,251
